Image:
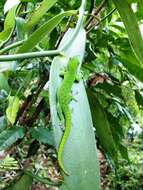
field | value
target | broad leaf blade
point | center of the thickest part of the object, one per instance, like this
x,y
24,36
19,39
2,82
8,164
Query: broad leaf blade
x,y
79,154
102,126
9,137
44,135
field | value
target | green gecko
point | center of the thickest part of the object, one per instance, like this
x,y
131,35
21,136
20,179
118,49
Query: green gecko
x,y
63,98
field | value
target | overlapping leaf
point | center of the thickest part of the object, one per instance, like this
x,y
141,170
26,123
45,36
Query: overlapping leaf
x,y
43,31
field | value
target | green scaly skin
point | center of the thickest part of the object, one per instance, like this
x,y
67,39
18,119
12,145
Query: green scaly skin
x,y
64,97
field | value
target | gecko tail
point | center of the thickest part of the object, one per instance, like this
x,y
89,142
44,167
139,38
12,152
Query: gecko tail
x,y
61,164
64,140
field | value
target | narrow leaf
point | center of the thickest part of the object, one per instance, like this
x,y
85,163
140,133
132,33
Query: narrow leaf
x,y
130,22
8,26
110,89
45,5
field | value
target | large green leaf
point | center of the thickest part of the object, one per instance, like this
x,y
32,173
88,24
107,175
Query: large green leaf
x,y
79,154
130,22
43,31
10,136
44,135
45,5
102,125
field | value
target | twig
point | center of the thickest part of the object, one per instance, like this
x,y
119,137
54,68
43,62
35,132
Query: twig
x,y
95,12
104,18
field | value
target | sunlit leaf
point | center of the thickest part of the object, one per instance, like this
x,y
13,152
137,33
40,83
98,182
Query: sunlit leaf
x,y
45,5
9,24
10,4
13,108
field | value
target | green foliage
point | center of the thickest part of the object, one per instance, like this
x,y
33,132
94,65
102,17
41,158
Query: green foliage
x,y
43,31
128,176
9,24
36,15
23,183
10,136
43,135
111,65
8,164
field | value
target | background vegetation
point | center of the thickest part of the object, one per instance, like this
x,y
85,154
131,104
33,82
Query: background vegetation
x,y
112,70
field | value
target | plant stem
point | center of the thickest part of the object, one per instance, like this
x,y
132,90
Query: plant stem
x,y
11,46
29,55
104,18
95,12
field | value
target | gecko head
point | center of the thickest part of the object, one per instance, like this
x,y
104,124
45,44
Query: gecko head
x,y
73,63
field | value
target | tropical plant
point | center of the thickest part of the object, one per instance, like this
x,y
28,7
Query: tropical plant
x,y
37,39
